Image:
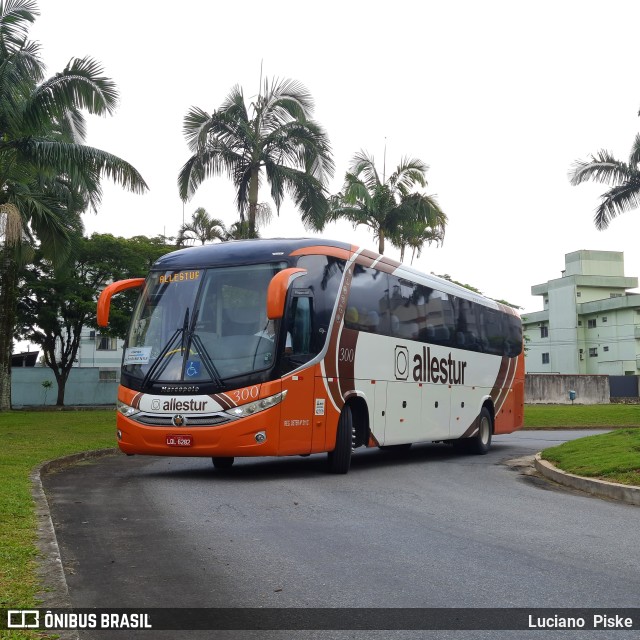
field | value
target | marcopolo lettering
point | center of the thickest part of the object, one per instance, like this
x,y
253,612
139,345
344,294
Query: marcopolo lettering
x,y
428,368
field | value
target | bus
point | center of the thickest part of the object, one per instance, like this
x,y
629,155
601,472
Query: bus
x,y
285,347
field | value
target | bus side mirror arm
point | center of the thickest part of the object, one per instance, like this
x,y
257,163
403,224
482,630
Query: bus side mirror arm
x,y
104,301
277,291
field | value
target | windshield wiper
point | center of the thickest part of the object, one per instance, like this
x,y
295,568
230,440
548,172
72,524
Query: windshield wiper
x,y
186,336
192,336
208,362
160,364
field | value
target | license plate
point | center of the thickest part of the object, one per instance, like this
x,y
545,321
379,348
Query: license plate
x,y
182,440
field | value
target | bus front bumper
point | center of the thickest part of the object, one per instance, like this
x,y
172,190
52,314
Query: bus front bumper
x,y
250,436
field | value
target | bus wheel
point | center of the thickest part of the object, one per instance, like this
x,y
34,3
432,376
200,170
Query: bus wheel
x,y
339,460
222,463
481,442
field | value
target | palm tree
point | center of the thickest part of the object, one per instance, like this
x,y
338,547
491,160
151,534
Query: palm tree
x,y
415,234
274,137
388,205
624,179
47,175
202,227
239,230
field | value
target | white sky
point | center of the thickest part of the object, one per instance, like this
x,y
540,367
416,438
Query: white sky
x,y
498,97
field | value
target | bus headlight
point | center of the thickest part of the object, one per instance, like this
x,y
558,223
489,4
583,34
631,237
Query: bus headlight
x,y
257,406
126,410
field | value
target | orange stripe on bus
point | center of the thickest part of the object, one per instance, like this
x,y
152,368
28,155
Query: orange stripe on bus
x,y
336,252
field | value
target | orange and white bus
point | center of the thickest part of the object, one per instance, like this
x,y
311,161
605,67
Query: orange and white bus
x,y
300,346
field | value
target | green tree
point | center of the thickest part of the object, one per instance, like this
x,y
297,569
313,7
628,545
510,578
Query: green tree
x,y
412,232
149,250
273,137
390,207
622,177
47,175
202,228
57,302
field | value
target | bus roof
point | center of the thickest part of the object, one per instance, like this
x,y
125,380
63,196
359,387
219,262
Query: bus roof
x,y
240,252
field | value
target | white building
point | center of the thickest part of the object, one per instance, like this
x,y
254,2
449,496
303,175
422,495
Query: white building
x,y
590,323
99,351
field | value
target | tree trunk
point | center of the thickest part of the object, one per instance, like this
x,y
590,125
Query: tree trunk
x,y
253,201
8,304
62,383
381,242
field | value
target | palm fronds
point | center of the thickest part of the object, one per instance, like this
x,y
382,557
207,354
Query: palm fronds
x,y
623,179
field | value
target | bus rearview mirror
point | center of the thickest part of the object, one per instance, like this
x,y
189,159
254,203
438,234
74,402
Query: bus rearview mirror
x,y
104,301
277,291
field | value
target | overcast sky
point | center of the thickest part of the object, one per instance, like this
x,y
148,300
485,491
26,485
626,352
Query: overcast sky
x,y
499,98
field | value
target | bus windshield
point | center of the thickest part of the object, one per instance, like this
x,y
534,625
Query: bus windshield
x,y
202,326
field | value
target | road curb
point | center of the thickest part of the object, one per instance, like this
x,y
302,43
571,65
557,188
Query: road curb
x,y
50,572
600,488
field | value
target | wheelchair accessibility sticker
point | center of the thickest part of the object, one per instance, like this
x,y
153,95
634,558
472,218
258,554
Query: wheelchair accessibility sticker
x,y
192,369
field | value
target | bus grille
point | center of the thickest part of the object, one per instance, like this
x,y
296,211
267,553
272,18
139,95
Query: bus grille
x,y
155,420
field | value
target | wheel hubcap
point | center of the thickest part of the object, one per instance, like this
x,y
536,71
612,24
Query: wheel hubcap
x,y
484,430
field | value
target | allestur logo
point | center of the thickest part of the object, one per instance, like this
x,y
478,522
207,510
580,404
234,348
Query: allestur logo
x,y
401,363
428,368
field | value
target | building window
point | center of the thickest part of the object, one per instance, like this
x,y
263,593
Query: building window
x,y
615,295
107,375
579,323
545,358
591,324
106,343
544,331
579,294
606,348
604,318
593,352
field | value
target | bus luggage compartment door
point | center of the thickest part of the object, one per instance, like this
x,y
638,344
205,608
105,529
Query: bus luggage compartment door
x,y
403,415
296,422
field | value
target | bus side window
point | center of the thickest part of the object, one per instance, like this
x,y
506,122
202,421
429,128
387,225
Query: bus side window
x,y
368,306
301,327
467,335
513,342
323,279
436,317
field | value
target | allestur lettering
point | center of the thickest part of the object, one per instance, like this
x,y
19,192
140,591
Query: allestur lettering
x,y
428,368
184,405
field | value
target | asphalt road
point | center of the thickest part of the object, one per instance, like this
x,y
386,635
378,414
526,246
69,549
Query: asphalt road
x,y
425,528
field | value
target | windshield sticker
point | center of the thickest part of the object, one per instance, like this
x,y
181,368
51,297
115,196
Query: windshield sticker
x,y
137,355
192,369
182,276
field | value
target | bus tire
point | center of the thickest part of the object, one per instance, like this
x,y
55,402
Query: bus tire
x,y
339,460
222,462
481,442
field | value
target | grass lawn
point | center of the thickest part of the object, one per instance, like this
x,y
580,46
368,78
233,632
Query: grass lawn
x,y
29,438
566,416
613,456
